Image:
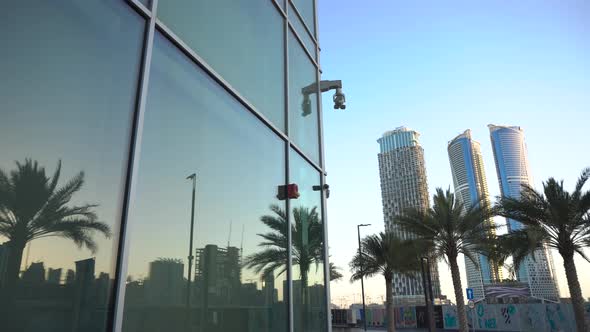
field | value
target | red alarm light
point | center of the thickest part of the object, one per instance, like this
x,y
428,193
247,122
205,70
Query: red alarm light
x,y
288,191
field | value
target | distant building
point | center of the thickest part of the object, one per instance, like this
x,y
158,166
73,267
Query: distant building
x,y
34,274
3,261
404,185
269,291
469,180
54,276
165,283
218,272
70,277
512,166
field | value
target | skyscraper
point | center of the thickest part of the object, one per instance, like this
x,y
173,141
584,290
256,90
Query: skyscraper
x,y
469,180
513,171
165,285
404,185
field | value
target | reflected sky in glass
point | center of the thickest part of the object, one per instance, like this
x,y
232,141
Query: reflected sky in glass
x,y
242,40
66,96
303,116
191,126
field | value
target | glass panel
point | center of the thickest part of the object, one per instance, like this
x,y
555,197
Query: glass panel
x,y
309,300
66,104
303,116
302,33
306,9
192,126
146,3
242,40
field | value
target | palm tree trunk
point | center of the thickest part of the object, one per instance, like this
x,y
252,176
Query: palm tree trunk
x,y
389,313
306,306
463,327
575,291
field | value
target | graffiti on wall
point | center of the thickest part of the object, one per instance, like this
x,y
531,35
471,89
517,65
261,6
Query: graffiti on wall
x,y
536,317
405,317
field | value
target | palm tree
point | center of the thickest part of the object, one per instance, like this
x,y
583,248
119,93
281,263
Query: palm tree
x,y
555,218
451,229
32,206
335,274
383,254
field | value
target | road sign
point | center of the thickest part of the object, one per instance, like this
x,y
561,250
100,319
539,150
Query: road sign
x,y
471,304
469,293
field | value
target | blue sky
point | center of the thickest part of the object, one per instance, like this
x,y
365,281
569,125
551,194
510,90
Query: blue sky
x,y
441,68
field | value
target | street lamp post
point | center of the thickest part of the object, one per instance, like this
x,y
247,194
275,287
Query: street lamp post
x,y
358,229
428,296
190,249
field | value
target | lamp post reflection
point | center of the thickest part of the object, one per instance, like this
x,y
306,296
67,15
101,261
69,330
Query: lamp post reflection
x,y
192,177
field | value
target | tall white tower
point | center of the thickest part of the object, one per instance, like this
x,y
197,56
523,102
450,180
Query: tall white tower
x,y
512,166
404,185
469,180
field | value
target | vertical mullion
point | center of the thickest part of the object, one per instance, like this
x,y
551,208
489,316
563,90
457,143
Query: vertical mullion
x,y
290,320
132,167
322,175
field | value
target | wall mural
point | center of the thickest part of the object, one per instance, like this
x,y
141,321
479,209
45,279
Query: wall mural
x,y
551,317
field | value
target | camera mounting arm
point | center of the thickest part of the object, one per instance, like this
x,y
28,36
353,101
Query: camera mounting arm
x,y
325,85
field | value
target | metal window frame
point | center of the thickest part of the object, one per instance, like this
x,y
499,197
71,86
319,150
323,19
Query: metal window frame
x,y
132,166
154,25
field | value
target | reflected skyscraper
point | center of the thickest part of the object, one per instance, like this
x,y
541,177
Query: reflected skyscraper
x,y
217,271
34,274
404,185
165,283
513,171
54,276
471,187
3,260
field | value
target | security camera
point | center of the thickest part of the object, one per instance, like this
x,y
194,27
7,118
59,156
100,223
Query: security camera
x,y
339,99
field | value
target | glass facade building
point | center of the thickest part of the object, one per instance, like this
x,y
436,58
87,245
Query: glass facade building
x,y
469,181
145,151
512,167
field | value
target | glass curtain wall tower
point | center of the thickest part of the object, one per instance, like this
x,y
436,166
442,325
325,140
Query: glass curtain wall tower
x,y
471,187
513,171
404,185
106,107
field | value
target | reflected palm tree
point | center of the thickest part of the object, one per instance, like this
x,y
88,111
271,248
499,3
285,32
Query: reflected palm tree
x,y
307,233
335,274
308,237
32,206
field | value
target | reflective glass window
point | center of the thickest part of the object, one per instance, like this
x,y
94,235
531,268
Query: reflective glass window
x,y
306,9
309,298
303,116
302,33
242,40
223,267
69,72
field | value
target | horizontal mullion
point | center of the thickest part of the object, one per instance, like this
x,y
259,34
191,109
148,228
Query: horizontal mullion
x,y
304,156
